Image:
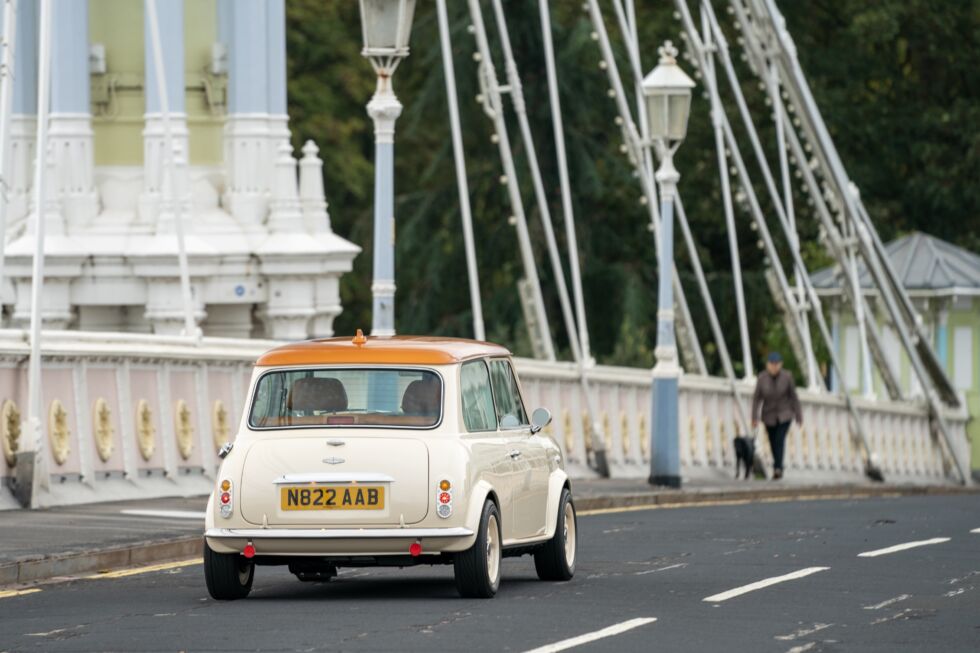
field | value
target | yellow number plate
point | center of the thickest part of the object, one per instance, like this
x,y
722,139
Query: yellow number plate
x,y
332,497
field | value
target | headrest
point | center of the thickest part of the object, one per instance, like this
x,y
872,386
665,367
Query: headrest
x,y
314,394
422,397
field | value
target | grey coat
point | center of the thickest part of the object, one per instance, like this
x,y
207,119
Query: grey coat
x,y
776,396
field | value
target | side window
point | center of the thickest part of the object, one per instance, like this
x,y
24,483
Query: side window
x,y
478,412
510,410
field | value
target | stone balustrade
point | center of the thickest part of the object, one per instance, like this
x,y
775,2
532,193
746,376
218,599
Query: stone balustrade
x,y
133,416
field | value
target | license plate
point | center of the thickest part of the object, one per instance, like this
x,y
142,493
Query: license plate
x,y
333,497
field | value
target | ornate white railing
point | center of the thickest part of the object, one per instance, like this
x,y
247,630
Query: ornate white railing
x,y
129,416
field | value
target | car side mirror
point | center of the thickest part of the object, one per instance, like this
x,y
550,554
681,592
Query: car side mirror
x,y
540,418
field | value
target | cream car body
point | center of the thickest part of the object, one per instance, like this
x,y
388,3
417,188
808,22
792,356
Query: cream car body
x,y
517,467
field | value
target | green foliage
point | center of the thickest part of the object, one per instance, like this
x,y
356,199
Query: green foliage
x,y
895,81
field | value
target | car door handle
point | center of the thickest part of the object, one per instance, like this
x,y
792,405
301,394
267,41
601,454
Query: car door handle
x,y
514,453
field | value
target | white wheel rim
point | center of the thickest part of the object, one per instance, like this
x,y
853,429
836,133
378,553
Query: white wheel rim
x,y
568,523
493,550
243,573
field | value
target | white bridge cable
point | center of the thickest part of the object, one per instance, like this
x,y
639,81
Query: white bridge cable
x,y
897,301
630,37
769,245
34,430
6,103
563,183
479,331
514,90
190,325
836,244
493,107
633,142
933,379
721,51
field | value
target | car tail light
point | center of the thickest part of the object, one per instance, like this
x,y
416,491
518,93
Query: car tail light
x,y
225,499
415,550
444,498
249,550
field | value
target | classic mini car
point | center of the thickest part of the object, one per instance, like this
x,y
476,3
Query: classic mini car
x,y
388,452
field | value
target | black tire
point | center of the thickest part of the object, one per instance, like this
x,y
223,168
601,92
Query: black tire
x,y
478,568
229,575
555,559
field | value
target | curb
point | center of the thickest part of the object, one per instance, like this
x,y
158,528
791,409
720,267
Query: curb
x,y
32,570
680,498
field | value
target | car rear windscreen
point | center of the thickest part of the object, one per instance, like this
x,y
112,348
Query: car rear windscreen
x,y
347,397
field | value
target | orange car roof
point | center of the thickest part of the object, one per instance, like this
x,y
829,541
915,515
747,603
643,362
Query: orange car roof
x,y
412,350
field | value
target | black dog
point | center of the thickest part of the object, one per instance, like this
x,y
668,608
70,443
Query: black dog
x,y
744,454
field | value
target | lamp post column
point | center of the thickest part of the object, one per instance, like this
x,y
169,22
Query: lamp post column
x,y
384,109
665,464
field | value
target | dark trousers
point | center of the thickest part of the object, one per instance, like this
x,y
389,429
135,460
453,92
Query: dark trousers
x,y
777,442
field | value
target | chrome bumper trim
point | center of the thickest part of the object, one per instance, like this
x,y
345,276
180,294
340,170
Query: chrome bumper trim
x,y
334,533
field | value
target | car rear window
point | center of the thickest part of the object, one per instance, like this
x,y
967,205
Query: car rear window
x,y
332,397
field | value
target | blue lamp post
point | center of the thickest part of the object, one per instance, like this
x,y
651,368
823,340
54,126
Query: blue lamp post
x,y
668,99
386,26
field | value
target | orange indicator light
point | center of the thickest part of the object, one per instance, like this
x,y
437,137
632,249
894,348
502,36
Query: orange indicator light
x,y
444,485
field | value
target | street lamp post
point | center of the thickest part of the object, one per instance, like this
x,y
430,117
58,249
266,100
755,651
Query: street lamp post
x,y
668,99
386,25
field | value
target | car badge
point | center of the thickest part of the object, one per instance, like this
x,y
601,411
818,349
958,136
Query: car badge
x,y
333,461
335,443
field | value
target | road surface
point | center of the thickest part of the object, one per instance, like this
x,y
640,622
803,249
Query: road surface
x,y
898,574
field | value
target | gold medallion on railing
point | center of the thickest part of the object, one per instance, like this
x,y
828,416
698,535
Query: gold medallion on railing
x,y
607,431
10,430
145,431
587,431
102,429
692,440
58,432
624,430
220,429
644,436
184,428
566,427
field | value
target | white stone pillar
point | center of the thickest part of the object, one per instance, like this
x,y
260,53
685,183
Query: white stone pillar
x,y
24,120
285,215
70,127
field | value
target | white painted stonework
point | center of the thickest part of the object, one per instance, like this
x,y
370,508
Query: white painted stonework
x,y
264,261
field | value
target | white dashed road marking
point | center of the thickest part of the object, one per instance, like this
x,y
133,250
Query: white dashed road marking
x,y
758,585
975,530
902,547
802,648
803,632
593,636
884,604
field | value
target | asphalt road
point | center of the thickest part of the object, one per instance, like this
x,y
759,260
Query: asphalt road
x,y
633,567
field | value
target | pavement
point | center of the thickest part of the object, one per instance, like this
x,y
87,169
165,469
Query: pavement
x,y
891,573
59,542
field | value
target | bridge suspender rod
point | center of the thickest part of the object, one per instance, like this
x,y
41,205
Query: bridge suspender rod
x,y
190,325
836,244
459,156
6,102
919,353
726,196
493,107
563,182
699,50
516,94
631,137
34,431
799,317
584,357
896,299
629,35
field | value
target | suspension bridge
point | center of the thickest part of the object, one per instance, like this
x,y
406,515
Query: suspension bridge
x,y
138,406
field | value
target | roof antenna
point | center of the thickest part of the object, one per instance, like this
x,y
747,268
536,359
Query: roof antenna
x,y
359,338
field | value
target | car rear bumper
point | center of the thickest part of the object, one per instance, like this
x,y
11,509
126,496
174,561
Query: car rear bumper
x,y
338,541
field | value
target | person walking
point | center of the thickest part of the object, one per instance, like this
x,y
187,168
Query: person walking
x,y
776,404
